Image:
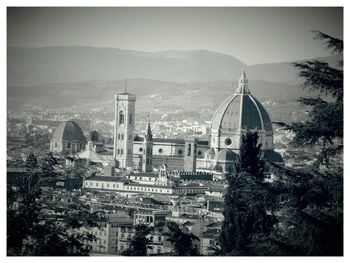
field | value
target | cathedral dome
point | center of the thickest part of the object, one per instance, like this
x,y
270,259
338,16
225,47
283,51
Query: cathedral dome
x,y
69,131
241,111
226,155
238,113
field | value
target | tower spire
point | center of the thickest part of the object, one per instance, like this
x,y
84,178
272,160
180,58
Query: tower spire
x,y
148,133
125,85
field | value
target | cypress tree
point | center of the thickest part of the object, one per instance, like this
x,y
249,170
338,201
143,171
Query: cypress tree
x,y
311,203
246,202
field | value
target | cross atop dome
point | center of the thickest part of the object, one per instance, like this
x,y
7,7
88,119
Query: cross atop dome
x,y
243,84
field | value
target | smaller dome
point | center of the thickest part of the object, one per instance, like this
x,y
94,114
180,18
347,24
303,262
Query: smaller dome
x,y
69,131
226,155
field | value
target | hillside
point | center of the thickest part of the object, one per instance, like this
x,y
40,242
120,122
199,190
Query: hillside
x,y
151,94
35,66
67,64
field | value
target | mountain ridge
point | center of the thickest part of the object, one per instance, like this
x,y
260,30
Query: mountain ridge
x,y
30,66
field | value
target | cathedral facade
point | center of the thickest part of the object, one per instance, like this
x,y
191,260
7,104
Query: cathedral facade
x,y
236,115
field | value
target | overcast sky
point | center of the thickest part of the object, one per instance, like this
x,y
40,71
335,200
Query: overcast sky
x,y
253,35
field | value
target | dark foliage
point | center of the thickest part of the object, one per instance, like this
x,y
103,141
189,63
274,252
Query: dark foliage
x,y
47,166
325,123
140,242
182,241
311,213
29,231
247,201
249,161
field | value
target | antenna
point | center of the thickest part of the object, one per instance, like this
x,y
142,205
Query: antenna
x,y
125,85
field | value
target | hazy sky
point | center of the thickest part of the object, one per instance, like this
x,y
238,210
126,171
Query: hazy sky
x,y
253,35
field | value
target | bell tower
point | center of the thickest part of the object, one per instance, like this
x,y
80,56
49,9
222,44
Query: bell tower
x,y
124,123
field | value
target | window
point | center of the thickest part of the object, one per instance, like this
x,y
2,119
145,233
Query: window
x,y
68,145
121,117
179,152
96,184
130,119
118,136
189,150
122,136
199,153
140,150
56,144
113,185
160,150
121,151
107,185
228,141
118,151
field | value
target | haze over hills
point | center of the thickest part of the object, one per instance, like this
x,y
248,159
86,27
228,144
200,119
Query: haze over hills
x,y
152,95
35,66
65,64
60,77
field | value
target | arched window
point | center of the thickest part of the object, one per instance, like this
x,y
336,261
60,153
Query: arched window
x,y
118,136
121,151
56,144
118,151
130,119
122,136
68,145
121,117
189,150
